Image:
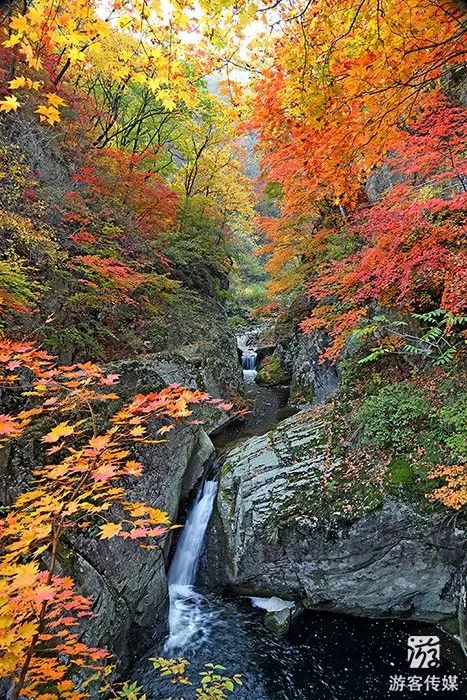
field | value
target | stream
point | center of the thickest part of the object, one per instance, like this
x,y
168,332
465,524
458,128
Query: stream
x,y
324,657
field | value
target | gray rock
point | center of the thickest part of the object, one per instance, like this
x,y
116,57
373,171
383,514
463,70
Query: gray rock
x,y
312,382
278,621
381,178
278,531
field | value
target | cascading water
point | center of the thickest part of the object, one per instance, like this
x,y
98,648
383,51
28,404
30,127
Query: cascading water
x,y
189,616
249,356
249,361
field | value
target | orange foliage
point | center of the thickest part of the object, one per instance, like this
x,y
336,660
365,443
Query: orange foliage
x,y
77,489
351,83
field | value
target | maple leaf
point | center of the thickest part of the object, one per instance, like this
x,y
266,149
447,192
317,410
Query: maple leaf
x,y
18,82
20,24
49,114
99,442
27,630
54,99
12,41
10,103
8,425
26,575
56,448
165,429
104,472
60,430
110,379
44,592
133,468
109,530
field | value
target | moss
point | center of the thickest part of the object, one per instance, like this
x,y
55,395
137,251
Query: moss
x,y
300,395
272,372
226,469
399,473
409,480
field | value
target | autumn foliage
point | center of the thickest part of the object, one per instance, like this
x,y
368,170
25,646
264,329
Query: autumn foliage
x,y
355,83
140,193
78,488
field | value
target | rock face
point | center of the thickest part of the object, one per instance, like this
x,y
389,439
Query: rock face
x,y
278,531
312,382
127,583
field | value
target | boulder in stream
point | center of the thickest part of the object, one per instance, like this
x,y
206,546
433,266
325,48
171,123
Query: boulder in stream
x,y
289,522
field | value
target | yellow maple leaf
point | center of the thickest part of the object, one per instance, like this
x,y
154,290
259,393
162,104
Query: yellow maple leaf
x,y
153,84
12,41
34,62
54,99
27,630
48,114
60,430
139,78
76,56
167,100
10,103
109,530
18,82
26,575
19,24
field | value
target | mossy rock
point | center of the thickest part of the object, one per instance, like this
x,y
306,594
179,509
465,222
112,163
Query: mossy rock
x,y
272,372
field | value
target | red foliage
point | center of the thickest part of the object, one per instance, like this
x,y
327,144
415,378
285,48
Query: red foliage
x,y
410,251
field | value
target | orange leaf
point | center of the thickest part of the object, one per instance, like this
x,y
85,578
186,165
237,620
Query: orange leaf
x,y
60,430
110,530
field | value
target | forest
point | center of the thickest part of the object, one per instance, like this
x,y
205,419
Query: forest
x,y
233,323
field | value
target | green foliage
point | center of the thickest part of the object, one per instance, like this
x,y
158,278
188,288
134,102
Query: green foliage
x,y
454,419
251,295
130,691
213,683
439,340
392,418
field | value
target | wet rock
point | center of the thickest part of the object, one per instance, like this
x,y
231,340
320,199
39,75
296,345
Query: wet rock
x,y
278,530
278,621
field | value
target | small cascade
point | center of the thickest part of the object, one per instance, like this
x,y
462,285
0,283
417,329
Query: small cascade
x,y
249,362
189,615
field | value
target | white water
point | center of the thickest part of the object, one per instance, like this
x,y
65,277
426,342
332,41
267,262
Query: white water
x,y
190,617
249,362
273,604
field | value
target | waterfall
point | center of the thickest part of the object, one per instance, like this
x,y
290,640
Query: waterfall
x,y
249,361
189,615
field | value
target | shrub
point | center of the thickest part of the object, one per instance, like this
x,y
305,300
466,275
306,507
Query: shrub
x,y
454,419
392,418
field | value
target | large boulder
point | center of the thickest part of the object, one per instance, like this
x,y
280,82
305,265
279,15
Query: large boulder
x,y
290,522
